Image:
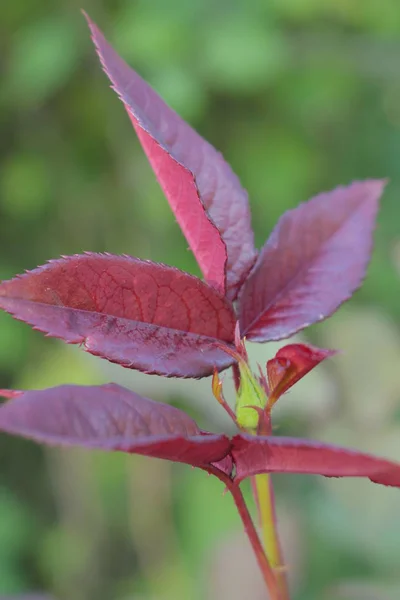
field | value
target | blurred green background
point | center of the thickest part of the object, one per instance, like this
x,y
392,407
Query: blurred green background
x,y
300,96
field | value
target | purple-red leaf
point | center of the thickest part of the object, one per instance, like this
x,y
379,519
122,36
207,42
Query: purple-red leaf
x,y
314,260
256,454
290,364
210,205
110,417
139,314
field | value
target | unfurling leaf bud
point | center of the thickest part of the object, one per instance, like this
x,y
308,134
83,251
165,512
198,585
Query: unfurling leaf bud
x,y
290,364
250,399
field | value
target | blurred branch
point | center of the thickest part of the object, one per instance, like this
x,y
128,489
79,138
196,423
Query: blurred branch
x,y
153,529
80,517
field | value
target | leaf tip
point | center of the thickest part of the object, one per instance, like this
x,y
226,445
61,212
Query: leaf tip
x,y
9,394
86,16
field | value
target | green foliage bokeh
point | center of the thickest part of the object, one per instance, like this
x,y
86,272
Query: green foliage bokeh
x,y
300,96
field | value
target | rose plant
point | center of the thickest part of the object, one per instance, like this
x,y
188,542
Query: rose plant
x,y
160,320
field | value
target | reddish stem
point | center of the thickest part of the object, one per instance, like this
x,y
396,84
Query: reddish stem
x,y
236,376
228,409
251,532
265,567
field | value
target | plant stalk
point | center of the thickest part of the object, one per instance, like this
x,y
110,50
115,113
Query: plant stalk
x,y
268,573
265,498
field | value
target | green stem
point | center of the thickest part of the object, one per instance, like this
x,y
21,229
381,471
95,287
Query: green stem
x,y
265,498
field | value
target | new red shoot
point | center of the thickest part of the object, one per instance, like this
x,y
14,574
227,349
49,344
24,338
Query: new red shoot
x,y
157,319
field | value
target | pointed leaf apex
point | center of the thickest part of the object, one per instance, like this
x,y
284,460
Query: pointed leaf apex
x,y
240,343
314,260
206,197
217,386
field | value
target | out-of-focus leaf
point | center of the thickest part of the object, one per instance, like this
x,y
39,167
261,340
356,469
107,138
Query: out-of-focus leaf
x,y
205,195
277,173
24,186
16,533
13,342
257,454
110,417
152,36
137,313
43,56
15,526
241,55
314,260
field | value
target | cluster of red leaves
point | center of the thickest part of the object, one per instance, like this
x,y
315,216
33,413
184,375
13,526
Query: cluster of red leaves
x,y
157,319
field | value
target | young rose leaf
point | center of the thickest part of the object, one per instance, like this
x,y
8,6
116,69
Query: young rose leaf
x,y
209,204
136,313
289,365
314,260
256,454
110,417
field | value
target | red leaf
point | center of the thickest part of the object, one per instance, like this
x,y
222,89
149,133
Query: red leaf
x,y
140,314
9,394
256,454
290,364
209,204
110,417
314,260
